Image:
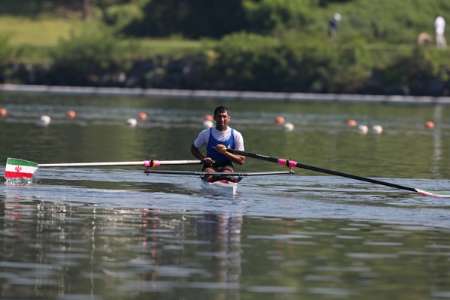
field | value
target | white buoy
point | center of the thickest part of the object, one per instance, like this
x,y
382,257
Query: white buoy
x,y
377,129
44,121
208,123
363,129
288,126
132,122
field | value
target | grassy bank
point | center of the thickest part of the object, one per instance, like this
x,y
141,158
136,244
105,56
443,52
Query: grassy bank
x,y
39,32
33,38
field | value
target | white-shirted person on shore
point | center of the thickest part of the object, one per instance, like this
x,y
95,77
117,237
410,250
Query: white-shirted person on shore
x,y
216,140
439,25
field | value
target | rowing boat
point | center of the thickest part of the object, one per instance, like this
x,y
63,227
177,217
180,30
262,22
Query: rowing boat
x,y
222,183
19,171
223,187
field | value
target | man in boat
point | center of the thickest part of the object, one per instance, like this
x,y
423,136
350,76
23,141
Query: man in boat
x,y
217,139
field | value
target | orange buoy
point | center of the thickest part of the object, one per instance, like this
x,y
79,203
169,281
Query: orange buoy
x,y
352,123
71,114
429,124
208,117
143,116
3,112
280,120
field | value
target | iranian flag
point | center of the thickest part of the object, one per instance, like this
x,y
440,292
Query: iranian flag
x,y
19,169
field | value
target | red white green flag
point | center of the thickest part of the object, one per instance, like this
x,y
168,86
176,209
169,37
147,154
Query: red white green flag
x,y
19,169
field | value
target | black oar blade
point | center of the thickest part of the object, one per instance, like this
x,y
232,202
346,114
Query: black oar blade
x,y
294,164
355,177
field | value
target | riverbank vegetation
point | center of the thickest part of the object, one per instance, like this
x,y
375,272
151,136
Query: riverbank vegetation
x,y
261,45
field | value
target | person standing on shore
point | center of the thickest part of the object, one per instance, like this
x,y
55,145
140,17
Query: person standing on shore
x,y
439,26
217,140
333,25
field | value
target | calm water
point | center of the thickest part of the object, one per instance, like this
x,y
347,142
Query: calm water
x,y
116,233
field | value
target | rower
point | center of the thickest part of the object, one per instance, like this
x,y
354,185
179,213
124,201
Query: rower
x,y
217,140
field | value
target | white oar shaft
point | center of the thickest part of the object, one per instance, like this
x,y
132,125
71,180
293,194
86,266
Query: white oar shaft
x,y
124,163
225,174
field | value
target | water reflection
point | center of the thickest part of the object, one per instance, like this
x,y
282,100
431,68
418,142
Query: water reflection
x,y
68,250
437,143
51,249
222,232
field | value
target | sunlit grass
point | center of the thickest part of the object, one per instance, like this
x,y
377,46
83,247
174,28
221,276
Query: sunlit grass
x,y
47,32
148,47
36,36
37,32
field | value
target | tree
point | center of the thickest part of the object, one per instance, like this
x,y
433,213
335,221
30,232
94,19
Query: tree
x,y
86,8
191,18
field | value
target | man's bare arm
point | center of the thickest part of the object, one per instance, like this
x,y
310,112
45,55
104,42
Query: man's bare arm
x,y
239,159
207,161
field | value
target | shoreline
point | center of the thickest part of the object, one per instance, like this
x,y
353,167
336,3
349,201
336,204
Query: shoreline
x,y
229,95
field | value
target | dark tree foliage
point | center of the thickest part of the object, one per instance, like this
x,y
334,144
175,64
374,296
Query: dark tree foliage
x,y
216,17
32,7
36,7
161,18
190,18
326,2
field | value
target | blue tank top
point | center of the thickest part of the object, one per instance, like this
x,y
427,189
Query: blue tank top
x,y
220,159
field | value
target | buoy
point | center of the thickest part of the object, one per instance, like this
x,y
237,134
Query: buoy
x,y
280,120
3,112
71,114
352,123
208,117
143,116
429,124
289,127
363,129
208,123
44,121
377,129
132,122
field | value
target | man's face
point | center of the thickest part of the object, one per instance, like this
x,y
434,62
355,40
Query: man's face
x,y
222,119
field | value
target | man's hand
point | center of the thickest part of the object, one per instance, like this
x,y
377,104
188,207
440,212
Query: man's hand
x,y
208,162
222,149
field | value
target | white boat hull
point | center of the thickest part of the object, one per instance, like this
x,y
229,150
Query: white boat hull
x,y
221,187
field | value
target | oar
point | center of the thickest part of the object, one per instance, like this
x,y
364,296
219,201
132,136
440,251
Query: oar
x,y
292,164
233,176
24,169
224,174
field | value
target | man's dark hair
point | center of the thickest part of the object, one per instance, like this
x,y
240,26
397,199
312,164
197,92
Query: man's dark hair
x,y
221,109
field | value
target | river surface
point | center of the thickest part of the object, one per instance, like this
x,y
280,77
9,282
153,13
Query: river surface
x,y
116,233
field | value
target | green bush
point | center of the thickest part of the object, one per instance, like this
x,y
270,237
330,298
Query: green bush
x,y
120,16
95,56
6,50
245,61
248,61
423,72
265,16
